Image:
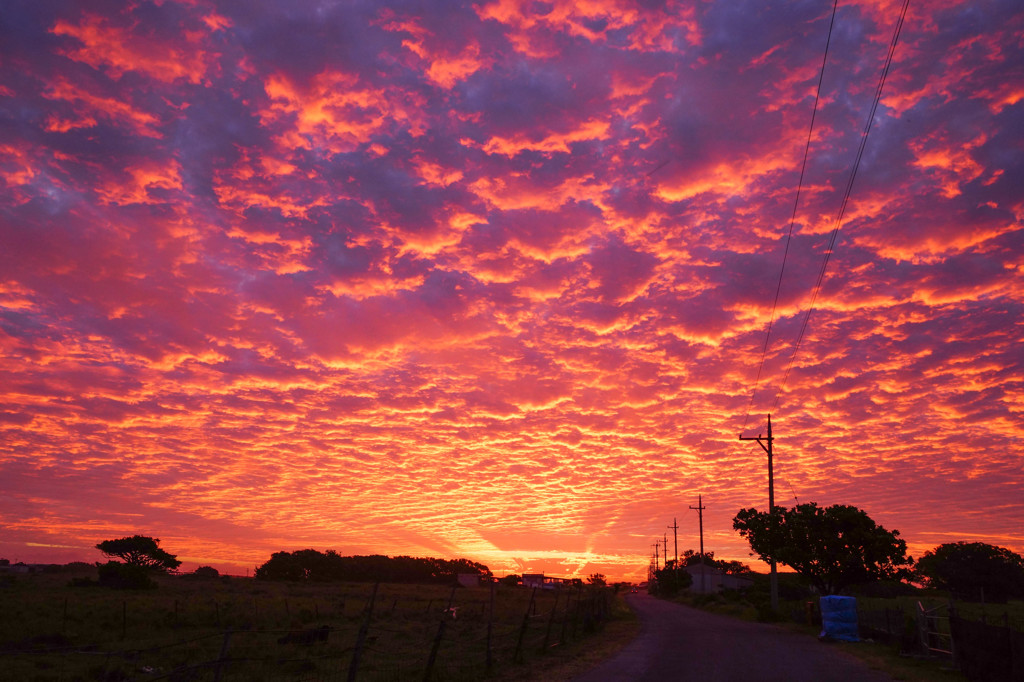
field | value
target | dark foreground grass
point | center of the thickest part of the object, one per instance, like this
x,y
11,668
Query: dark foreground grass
x,y
242,629
562,664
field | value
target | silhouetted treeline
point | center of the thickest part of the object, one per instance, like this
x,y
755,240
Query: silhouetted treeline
x,y
329,566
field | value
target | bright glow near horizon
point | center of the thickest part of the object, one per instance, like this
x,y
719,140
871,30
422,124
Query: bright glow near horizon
x,y
491,280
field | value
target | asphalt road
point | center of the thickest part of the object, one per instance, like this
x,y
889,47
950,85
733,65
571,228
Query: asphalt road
x,y
681,643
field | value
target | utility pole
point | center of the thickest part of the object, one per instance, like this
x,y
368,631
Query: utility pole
x,y
700,519
657,556
766,445
675,540
665,535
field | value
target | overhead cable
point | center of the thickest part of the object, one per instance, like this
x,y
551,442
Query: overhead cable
x,y
846,195
792,219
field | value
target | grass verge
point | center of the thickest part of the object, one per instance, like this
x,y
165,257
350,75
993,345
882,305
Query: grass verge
x,y
565,663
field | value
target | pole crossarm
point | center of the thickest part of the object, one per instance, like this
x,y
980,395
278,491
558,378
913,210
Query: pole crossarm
x,y
766,444
761,440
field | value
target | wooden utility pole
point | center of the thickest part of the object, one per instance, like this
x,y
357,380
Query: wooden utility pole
x,y
700,519
675,540
657,555
665,535
766,445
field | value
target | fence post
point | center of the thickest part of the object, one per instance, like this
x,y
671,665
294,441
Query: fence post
x,y
490,623
437,639
222,659
565,616
517,657
952,640
551,621
361,637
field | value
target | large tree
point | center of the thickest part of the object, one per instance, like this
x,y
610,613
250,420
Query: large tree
x,y
832,547
140,550
974,570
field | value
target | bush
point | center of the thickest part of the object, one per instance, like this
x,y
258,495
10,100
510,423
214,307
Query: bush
x,y
669,582
124,576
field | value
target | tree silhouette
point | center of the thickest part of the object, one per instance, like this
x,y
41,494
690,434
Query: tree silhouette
x,y
832,547
139,550
974,570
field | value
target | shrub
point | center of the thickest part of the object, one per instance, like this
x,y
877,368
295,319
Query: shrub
x,y
206,572
124,576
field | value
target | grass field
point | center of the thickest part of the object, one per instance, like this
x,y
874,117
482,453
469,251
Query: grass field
x,y
242,629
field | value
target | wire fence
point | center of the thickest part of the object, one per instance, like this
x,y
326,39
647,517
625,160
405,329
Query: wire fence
x,y
984,651
463,637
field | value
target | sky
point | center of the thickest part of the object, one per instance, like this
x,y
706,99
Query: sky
x,y
495,280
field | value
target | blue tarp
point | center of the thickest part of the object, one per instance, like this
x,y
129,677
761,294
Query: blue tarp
x,y
839,618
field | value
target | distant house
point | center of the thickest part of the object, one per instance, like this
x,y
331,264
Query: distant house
x,y
533,579
708,579
545,582
469,579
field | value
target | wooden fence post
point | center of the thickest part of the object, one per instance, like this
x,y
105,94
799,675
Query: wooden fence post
x,y
361,637
576,610
490,624
551,621
565,617
437,639
222,659
517,657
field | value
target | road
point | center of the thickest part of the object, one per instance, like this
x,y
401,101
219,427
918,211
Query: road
x,y
681,643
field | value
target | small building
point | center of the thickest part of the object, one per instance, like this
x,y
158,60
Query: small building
x,y
469,579
545,582
708,579
533,579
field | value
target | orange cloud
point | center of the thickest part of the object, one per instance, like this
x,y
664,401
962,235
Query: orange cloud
x,y
519,190
649,30
91,106
553,142
334,114
953,164
142,185
120,50
446,68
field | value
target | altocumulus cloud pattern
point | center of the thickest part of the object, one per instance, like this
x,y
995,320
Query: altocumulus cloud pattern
x,y
492,279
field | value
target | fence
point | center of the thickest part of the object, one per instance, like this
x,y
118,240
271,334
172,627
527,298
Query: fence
x,y
983,651
388,638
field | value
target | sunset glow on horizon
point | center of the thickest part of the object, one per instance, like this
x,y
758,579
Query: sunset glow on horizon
x,y
492,280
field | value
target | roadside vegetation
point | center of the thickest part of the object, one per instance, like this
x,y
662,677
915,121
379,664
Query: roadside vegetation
x,y
904,607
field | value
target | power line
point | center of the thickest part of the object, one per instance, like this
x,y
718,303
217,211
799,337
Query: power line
x,y
792,219
846,195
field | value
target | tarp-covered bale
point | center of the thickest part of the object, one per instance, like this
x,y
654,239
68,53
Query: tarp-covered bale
x,y
839,618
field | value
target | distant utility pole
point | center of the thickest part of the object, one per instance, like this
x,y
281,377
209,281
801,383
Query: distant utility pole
x,y
665,535
675,540
656,545
766,445
700,519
